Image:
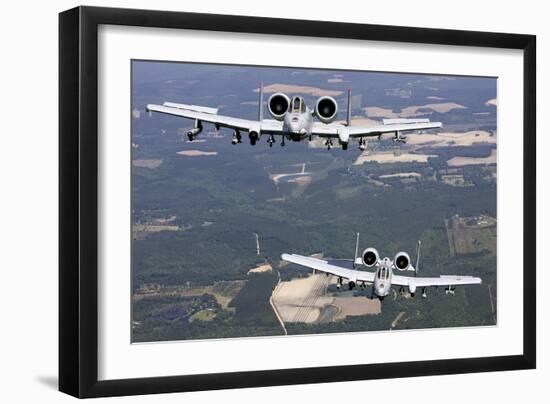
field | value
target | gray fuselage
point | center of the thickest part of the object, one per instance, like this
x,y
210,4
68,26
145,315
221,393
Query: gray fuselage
x,y
298,121
382,279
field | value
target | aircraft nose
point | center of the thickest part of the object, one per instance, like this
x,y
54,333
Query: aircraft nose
x,y
294,127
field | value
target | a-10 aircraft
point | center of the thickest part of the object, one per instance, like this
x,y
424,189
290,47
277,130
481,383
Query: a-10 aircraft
x,y
384,277
294,120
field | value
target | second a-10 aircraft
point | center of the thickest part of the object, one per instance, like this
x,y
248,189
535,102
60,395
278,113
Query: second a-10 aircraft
x,y
295,121
385,275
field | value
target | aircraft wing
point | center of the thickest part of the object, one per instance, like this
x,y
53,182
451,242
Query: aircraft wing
x,y
358,131
324,266
389,126
443,280
210,115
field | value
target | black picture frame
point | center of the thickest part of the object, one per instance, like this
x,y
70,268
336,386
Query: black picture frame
x,y
78,201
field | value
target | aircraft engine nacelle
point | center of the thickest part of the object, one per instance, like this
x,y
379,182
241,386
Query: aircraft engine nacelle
x,y
278,105
370,257
402,261
326,109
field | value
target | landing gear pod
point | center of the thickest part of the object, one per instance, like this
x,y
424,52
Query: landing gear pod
x,y
253,136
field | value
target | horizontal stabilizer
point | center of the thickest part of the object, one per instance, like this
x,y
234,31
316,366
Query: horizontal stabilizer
x,y
196,108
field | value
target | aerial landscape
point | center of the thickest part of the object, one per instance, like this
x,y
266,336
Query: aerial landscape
x,y
211,219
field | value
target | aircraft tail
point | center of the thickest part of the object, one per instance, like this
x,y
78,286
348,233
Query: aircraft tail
x,y
261,103
417,258
356,250
348,120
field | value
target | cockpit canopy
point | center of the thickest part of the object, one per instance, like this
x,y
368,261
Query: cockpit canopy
x,y
383,273
297,105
